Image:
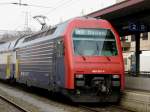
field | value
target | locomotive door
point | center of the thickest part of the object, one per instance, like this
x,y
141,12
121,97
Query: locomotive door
x,y
60,69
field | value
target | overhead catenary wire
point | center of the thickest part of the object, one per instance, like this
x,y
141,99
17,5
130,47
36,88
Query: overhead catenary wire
x,y
5,3
40,6
56,6
31,5
59,3
59,6
24,4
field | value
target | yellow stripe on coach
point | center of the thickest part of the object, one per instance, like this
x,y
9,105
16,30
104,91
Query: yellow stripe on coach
x,y
8,67
17,69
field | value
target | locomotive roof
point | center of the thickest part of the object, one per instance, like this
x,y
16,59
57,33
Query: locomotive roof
x,y
50,33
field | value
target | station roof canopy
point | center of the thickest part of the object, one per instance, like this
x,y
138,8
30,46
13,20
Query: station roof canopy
x,y
128,17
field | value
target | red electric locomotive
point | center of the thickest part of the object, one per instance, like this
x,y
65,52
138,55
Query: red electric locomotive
x,y
94,69
81,58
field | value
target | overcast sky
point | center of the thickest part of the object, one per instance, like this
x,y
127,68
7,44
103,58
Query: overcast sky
x,y
14,17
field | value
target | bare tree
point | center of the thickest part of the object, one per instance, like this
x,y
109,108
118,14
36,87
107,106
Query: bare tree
x,y
9,36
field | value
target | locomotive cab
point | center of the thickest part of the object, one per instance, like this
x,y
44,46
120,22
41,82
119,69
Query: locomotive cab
x,y
95,68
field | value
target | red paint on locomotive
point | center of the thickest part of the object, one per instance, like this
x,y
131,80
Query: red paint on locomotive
x,y
91,64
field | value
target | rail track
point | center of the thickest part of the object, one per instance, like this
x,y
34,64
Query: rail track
x,y
104,109
18,107
52,104
88,109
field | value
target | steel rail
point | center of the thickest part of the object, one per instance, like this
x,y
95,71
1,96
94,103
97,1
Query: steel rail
x,y
14,104
119,107
88,109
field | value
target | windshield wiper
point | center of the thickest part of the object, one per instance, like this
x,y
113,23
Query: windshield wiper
x,y
84,58
108,58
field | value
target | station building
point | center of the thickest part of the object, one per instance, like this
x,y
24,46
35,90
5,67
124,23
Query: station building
x,y
128,45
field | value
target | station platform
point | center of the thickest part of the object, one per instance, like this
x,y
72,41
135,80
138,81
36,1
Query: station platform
x,y
136,100
136,96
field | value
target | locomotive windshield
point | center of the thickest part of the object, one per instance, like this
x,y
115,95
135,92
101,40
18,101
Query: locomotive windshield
x,y
97,42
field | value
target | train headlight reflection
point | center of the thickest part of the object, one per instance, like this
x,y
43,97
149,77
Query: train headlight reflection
x,y
79,76
115,76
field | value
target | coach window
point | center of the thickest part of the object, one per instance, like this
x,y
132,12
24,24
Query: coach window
x,y
60,48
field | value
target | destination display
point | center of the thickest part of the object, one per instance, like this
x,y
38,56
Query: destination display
x,y
90,32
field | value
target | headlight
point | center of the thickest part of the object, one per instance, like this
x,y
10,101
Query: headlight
x,y
80,83
79,76
115,76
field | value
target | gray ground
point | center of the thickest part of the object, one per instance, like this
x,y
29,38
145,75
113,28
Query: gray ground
x,y
36,103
